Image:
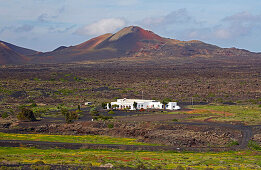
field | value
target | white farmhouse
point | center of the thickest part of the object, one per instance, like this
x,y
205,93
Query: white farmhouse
x,y
128,104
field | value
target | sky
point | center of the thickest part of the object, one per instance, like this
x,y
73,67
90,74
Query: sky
x,y
44,25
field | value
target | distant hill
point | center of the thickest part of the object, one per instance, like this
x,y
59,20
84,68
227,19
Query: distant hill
x,y
134,42
131,44
9,56
20,50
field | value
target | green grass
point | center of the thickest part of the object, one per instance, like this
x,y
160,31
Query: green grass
x,y
134,159
93,139
249,114
50,110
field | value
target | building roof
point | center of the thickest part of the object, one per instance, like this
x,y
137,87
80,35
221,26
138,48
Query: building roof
x,y
134,100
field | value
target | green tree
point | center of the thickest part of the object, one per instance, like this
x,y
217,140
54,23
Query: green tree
x,y
104,104
135,104
70,116
165,101
26,115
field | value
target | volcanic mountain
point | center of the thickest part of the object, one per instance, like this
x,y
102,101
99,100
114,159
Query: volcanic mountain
x,y
9,56
19,50
133,43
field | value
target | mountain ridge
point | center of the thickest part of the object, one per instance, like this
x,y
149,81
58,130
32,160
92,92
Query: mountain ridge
x,y
131,42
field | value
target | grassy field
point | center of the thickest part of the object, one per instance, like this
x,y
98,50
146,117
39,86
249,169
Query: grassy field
x,y
249,114
92,139
137,159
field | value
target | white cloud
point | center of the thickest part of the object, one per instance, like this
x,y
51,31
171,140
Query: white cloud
x,y
222,34
126,2
179,16
103,26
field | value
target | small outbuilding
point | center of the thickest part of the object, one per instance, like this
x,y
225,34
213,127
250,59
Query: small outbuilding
x,y
87,103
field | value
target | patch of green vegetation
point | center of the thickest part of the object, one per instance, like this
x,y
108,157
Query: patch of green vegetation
x,y
4,115
26,115
65,92
94,139
134,159
6,91
70,116
50,110
36,79
111,112
232,143
254,146
250,114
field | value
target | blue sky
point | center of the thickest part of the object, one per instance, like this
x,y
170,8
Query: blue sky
x,y
44,25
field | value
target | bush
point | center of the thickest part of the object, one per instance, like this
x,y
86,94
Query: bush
x,y
94,111
233,143
40,167
110,126
174,120
104,105
70,116
102,117
26,114
33,105
180,168
4,115
254,145
39,163
111,112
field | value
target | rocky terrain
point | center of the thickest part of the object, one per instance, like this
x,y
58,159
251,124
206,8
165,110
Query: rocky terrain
x,y
178,135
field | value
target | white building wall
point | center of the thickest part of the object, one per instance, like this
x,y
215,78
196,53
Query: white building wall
x,y
145,104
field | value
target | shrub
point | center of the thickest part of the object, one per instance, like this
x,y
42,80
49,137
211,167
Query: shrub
x,y
110,126
102,117
111,112
104,105
4,115
174,120
33,105
70,116
40,167
94,111
180,168
253,145
39,163
233,143
26,114
106,117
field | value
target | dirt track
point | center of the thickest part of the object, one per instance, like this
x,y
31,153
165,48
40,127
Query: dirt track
x,y
48,145
156,117
246,132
